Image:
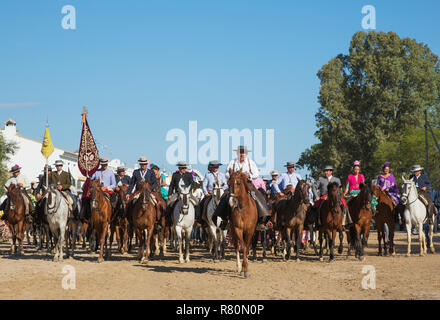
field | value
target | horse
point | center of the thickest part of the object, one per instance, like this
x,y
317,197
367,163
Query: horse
x,y
183,219
213,228
57,215
331,218
16,218
244,217
261,235
119,222
384,215
142,215
73,225
415,215
101,211
361,213
291,214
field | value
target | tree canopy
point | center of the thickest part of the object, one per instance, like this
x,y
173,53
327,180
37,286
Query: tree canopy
x,y
372,99
6,149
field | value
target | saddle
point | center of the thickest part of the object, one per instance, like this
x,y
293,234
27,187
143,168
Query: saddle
x,y
68,199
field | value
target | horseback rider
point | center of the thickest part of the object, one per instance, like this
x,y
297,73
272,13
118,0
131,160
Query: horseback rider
x,y
423,184
270,185
319,190
212,177
248,167
20,182
142,174
288,178
173,190
42,181
121,178
107,179
61,179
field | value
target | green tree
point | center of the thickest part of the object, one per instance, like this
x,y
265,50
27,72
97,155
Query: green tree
x,y
6,149
369,96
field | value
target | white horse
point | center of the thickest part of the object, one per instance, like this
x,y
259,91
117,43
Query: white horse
x,y
183,219
57,214
214,228
415,215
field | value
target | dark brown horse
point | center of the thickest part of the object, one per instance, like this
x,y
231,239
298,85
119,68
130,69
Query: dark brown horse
x,y
384,214
361,214
101,212
142,214
291,214
16,218
119,221
244,217
331,218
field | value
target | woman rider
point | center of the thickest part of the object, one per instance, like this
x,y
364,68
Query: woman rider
x,y
388,184
354,180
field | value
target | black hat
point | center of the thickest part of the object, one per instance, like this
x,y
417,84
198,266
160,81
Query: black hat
x,y
15,168
120,169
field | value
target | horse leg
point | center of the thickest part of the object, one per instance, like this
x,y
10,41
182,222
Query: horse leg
x,y
264,244
320,245
408,233
331,241
21,227
247,237
223,246
100,235
380,235
299,235
422,239
288,235
178,236
254,243
187,243
430,232
213,233
341,245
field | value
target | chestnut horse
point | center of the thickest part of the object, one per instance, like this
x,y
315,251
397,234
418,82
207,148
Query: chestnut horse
x,y
291,214
16,218
244,217
361,214
142,215
119,221
384,214
101,212
331,218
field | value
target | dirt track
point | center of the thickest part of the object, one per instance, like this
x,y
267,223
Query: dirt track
x,y
35,276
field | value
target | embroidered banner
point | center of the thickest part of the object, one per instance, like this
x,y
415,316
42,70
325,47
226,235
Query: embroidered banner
x,y
88,156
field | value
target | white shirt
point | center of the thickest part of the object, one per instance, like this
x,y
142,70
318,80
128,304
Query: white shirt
x,y
248,166
16,180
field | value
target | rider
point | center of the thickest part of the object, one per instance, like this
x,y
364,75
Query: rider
x,y
21,182
288,178
173,190
121,177
61,179
107,179
248,167
42,181
142,174
270,186
320,192
423,184
212,177
353,182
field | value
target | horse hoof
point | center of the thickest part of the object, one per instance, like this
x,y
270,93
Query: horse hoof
x,y
216,261
421,254
182,261
321,259
187,260
242,274
393,254
408,255
361,258
247,274
264,260
297,259
432,250
100,260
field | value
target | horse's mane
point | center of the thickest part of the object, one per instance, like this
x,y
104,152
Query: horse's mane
x,y
333,198
242,177
364,195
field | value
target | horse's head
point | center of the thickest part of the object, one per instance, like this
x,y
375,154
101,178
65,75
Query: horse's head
x,y
365,195
12,192
122,196
217,192
333,194
95,191
409,190
237,185
302,192
52,197
184,194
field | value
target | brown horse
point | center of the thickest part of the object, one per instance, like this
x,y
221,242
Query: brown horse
x,y
361,214
142,215
291,214
16,218
119,221
331,218
101,212
384,214
244,217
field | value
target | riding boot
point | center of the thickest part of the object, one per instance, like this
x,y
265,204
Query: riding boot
x,y
263,212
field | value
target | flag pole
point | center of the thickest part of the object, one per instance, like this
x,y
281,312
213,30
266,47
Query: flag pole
x,y
84,115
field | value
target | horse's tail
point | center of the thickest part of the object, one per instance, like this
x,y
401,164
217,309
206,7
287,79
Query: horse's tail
x,y
353,234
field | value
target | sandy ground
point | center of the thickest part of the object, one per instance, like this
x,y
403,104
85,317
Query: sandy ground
x,y
35,276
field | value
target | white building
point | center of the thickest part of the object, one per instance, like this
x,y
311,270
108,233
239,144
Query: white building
x,y
29,157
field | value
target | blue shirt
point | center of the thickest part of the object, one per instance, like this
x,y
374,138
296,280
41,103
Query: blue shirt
x,y
285,180
208,182
273,192
107,178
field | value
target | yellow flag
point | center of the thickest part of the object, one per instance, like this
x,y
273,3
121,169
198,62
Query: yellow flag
x,y
47,146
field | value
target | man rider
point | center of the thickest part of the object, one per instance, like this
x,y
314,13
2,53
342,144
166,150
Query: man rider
x,y
423,184
212,177
61,180
173,190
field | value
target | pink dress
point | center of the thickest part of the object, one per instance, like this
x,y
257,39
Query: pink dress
x,y
259,183
353,184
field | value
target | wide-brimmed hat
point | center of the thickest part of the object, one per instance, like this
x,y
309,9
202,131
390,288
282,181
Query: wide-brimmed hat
x,y
103,161
214,164
59,163
15,168
265,178
182,164
416,168
290,164
328,167
242,149
143,160
120,169
274,173
154,166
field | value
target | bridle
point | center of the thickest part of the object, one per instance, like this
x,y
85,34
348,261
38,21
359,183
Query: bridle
x,y
405,195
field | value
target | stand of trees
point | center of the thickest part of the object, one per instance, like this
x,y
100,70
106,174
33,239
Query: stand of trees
x,y
372,107
6,149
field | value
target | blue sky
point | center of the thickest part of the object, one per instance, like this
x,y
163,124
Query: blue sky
x,y
145,67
